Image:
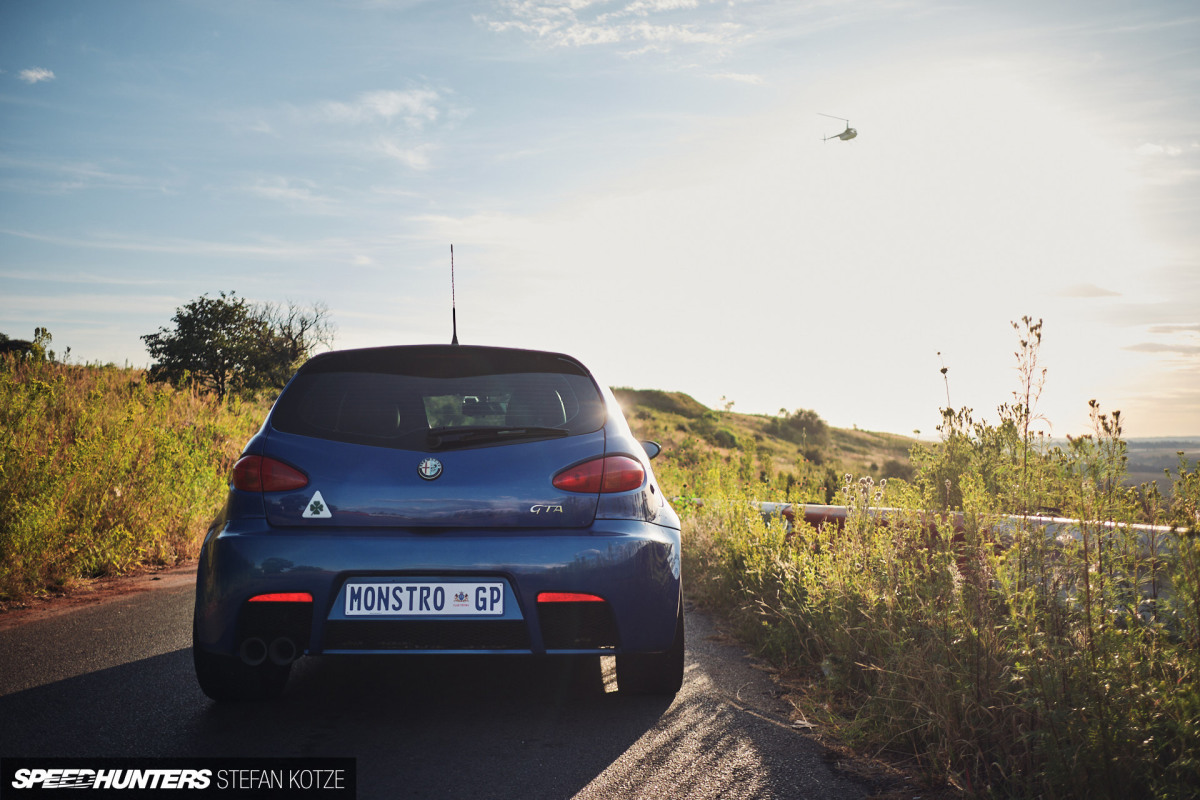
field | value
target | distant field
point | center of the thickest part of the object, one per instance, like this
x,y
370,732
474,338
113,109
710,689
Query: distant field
x,y
1148,458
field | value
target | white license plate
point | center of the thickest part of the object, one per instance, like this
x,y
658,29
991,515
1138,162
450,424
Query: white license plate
x,y
441,599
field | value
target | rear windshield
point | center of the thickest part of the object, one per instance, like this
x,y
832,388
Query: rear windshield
x,y
401,397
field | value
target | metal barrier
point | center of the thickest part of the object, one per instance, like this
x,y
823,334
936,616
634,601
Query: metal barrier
x,y
1156,542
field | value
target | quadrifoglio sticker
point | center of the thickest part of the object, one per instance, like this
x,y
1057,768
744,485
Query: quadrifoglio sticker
x,y
317,508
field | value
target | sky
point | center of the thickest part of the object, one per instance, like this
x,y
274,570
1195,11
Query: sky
x,y
640,183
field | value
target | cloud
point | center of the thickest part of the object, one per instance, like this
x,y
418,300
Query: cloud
x,y
357,251
177,246
646,7
753,80
1172,329
1156,347
35,75
1150,149
655,24
71,307
297,195
75,278
412,157
399,125
262,127
416,108
1084,290
664,25
51,176
1182,337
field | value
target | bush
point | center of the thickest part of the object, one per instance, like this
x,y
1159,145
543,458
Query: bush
x,y
802,427
723,437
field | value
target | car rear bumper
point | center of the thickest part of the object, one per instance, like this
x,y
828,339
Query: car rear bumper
x,y
632,566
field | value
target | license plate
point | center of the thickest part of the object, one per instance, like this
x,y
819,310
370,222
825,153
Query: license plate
x,y
440,599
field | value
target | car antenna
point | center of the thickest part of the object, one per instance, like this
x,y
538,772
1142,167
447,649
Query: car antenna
x,y
453,311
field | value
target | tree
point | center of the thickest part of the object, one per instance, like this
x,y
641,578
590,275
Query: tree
x,y
801,427
226,344
37,350
293,335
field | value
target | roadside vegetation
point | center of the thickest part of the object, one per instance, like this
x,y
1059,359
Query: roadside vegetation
x,y
959,633
102,471
953,630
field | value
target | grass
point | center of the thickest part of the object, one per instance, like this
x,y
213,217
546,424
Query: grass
x,y
1008,669
1005,659
101,472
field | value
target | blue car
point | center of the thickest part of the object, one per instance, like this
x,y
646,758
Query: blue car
x,y
440,499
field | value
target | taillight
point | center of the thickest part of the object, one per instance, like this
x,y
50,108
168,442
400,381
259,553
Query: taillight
x,y
568,597
282,597
262,474
608,474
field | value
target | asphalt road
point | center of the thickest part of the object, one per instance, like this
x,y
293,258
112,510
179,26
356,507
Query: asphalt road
x,y
115,679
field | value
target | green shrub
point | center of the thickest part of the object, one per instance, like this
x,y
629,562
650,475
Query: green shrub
x,y
801,426
723,437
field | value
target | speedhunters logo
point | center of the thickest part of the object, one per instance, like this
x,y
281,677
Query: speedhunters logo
x,y
67,778
332,778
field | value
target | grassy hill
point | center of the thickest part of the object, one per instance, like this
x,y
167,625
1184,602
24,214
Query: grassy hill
x,y
781,444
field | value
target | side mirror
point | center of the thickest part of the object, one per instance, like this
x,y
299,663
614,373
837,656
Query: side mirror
x,y
652,448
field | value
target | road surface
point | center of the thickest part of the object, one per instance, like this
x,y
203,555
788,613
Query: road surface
x,y
115,679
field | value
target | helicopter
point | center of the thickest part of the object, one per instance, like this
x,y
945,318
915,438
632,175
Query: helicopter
x,y
845,135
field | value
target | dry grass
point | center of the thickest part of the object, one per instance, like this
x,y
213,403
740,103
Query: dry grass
x,y
998,663
101,472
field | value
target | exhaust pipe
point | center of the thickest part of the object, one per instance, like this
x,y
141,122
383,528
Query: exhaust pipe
x,y
253,651
282,651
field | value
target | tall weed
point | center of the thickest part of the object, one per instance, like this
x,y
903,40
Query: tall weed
x,y
1011,656
100,471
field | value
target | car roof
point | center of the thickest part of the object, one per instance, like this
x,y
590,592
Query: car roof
x,y
444,360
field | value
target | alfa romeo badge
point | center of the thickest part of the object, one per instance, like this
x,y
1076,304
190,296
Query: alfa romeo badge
x,y
429,469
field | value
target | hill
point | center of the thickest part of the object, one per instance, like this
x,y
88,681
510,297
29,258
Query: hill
x,y
800,440
784,444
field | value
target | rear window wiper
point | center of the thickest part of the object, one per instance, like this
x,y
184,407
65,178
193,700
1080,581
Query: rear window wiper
x,y
464,435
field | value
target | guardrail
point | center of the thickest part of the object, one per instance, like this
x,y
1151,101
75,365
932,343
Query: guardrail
x,y
815,514
1156,542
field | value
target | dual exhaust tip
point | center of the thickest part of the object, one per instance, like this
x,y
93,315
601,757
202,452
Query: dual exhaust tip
x,y
282,651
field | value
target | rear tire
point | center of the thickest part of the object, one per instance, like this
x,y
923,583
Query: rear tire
x,y
654,673
227,679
